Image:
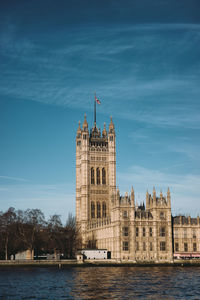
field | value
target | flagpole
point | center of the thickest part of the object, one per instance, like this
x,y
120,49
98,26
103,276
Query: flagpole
x,y
94,109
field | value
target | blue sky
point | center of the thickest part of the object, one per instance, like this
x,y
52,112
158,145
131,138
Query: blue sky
x,y
141,57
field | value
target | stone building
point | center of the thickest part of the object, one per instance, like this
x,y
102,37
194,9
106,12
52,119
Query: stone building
x,y
115,222
186,237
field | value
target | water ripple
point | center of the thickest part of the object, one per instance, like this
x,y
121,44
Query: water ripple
x,y
100,283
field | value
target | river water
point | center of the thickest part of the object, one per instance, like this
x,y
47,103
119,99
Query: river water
x,y
100,283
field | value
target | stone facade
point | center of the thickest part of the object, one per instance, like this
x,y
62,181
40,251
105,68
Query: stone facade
x,y
115,222
186,237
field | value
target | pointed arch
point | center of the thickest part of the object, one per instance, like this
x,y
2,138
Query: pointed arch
x,y
98,176
92,210
103,176
98,210
92,175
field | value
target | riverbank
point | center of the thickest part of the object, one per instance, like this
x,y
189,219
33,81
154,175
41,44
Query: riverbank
x,y
92,263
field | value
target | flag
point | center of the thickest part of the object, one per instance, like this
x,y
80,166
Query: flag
x,y
97,100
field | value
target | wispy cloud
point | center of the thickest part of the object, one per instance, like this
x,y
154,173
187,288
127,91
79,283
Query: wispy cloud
x,y
14,178
132,68
184,188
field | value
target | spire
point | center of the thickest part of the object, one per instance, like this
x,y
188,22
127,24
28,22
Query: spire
x,y
79,127
132,196
147,195
85,124
104,132
161,194
154,194
132,190
111,126
168,197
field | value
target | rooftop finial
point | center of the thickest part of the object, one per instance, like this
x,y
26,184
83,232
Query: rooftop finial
x,y
85,124
104,132
111,126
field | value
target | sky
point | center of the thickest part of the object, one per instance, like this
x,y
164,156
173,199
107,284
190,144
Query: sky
x,y
142,59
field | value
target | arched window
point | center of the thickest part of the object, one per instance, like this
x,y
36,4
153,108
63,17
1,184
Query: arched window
x,y
104,210
92,175
103,176
92,210
98,176
98,210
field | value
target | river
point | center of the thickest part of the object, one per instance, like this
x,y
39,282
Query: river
x,y
100,283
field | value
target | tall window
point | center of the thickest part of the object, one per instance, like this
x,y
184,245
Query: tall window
x,y
98,210
143,231
125,231
104,210
98,176
92,210
162,246
194,247
176,247
137,246
185,233
92,175
125,246
137,231
103,176
185,247
162,215
162,231
144,246
151,246
194,234
125,214
150,231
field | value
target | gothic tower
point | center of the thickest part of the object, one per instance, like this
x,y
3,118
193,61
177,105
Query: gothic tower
x,y
95,175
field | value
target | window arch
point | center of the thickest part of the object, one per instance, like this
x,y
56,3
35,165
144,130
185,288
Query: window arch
x,y
98,176
92,175
103,176
98,210
104,210
92,210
